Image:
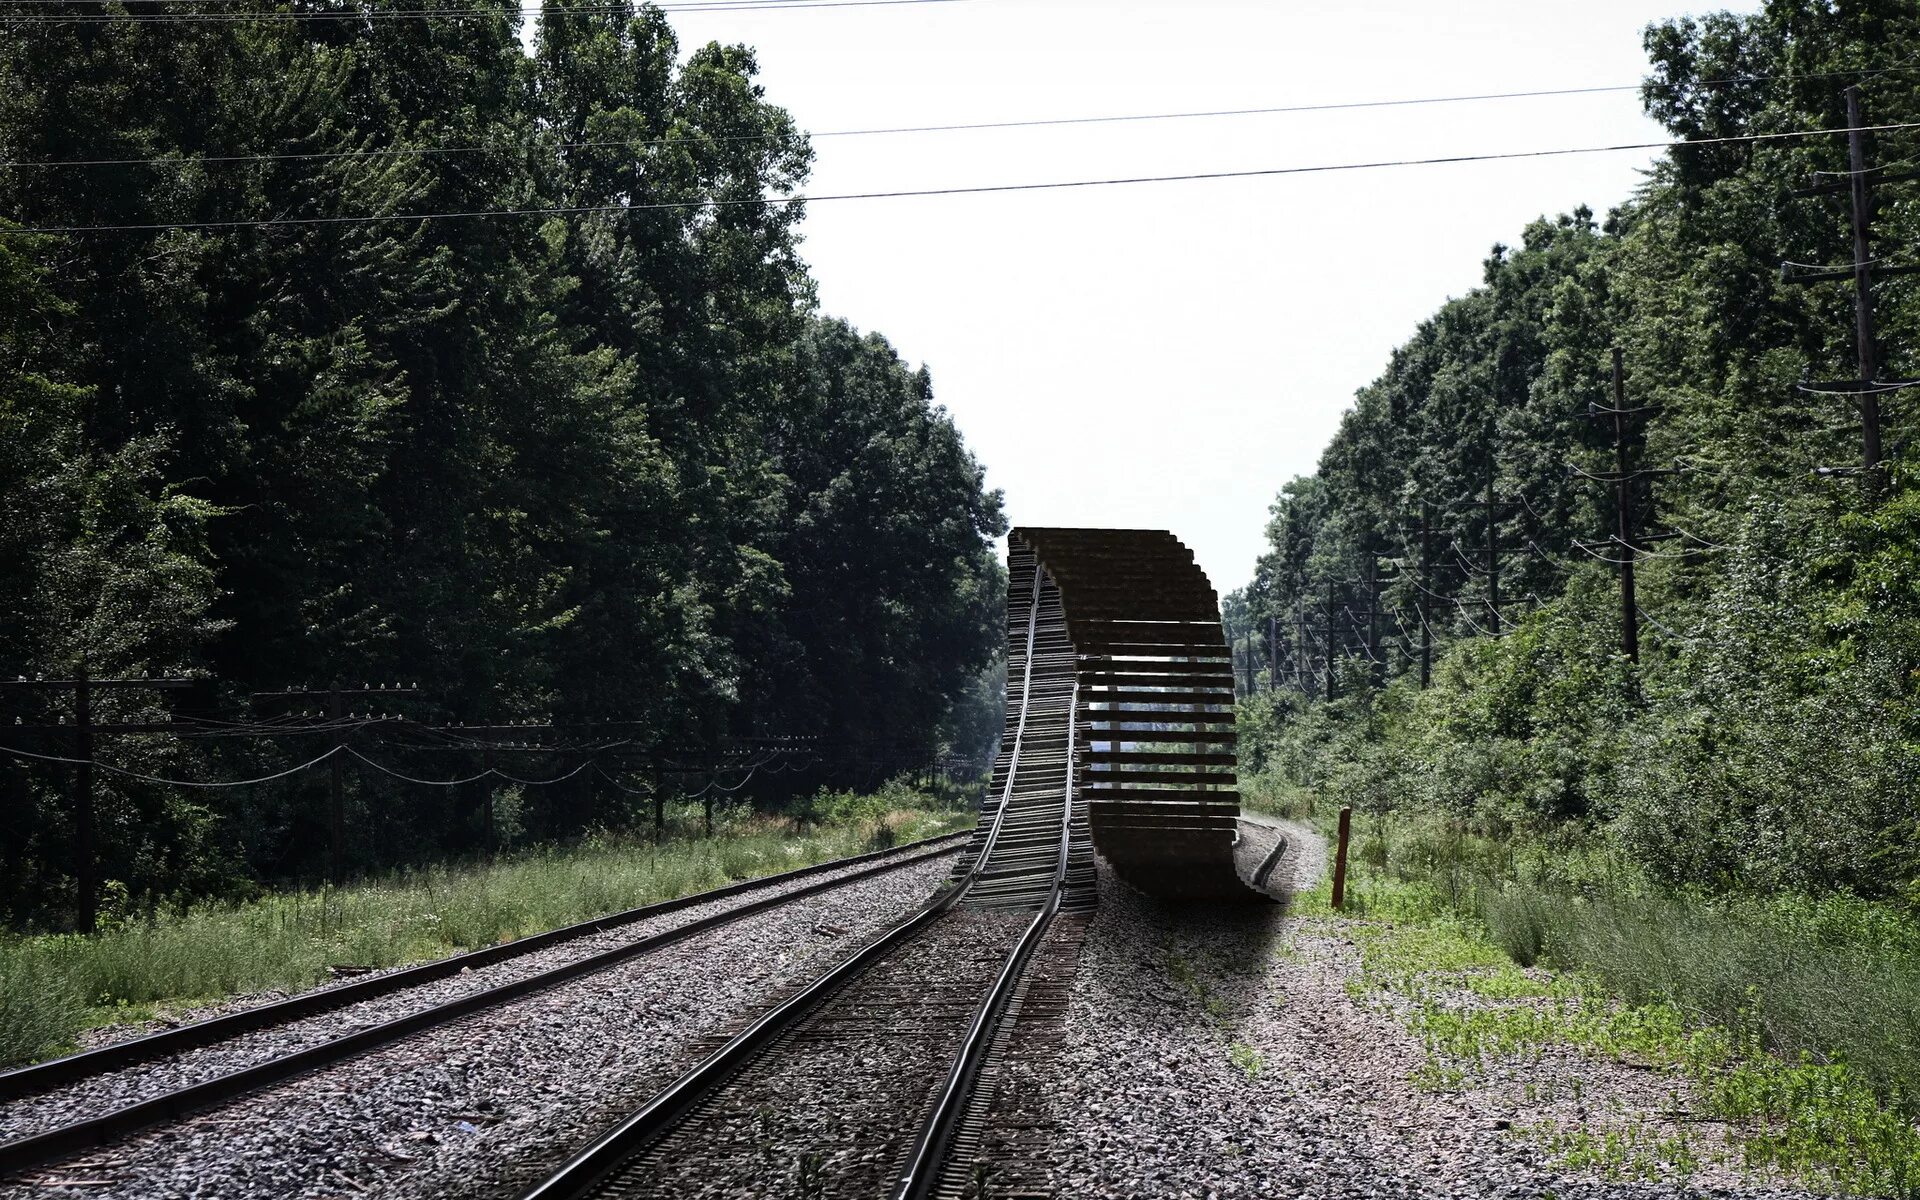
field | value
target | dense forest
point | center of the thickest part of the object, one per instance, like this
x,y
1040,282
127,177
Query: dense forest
x,y
265,423
1441,607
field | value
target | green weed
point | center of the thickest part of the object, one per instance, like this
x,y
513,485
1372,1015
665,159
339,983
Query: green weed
x,y
1710,990
1619,1154
1246,1058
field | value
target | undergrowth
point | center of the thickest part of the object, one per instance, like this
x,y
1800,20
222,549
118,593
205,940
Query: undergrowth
x,y
1789,1021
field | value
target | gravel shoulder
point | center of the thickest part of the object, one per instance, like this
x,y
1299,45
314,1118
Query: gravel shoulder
x,y
493,1101
1218,1053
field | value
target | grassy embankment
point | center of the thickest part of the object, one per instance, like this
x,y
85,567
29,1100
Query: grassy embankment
x,y
54,987
1793,1022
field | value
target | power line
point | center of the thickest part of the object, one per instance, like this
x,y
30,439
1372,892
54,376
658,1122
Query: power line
x,y
970,126
1051,185
192,783
198,18
492,772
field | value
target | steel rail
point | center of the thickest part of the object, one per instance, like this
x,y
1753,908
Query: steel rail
x,y
38,1149
592,1166
1019,731
928,1156
1271,861
43,1077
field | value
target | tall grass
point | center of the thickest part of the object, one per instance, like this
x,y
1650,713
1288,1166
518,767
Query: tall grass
x,y
1814,1000
1834,979
52,988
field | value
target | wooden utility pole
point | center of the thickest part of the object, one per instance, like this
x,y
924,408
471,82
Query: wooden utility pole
x,y
1623,514
86,849
1376,668
1247,638
337,792
86,837
1865,390
1493,544
488,829
1623,544
1419,603
1303,654
1866,352
1326,613
336,698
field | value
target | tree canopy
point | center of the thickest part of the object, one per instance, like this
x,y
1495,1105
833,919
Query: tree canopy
x,y
1767,735
603,461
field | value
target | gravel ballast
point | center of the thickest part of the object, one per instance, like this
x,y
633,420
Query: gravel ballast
x,y
1217,1053
504,1093
830,1110
102,1093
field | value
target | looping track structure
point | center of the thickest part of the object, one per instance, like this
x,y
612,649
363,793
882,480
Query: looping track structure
x,y
1119,739
1152,702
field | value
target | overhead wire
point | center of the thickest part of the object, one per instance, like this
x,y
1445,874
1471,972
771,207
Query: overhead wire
x,y
1650,619
905,193
396,14
192,783
956,127
591,760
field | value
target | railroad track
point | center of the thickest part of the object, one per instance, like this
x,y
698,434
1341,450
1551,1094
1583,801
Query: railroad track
x,y
881,1075
110,1123
864,1080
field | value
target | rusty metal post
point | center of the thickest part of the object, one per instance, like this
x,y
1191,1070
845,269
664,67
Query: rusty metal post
x,y
1340,859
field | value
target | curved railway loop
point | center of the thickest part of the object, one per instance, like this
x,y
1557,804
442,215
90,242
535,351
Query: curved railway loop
x,y
1118,736
1156,699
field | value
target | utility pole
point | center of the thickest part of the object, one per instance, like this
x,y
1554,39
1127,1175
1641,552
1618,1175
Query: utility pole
x,y
1866,389
336,793
1419,602
488,828
1247,637
1376,668
1625,540
1326,613
1866,352
1273,652
1302,651
336,698
1493,543
1623,514
86,848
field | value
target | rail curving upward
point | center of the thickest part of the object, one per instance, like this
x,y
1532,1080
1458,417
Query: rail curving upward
x,y
1154,705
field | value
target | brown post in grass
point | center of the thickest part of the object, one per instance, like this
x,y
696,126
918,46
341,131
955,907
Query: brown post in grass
x,y
1340,859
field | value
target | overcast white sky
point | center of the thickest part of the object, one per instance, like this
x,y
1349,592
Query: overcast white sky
x,y
1167,355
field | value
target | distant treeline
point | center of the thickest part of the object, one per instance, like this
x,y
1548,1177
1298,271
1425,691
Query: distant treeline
x,y
1769,736
262,420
